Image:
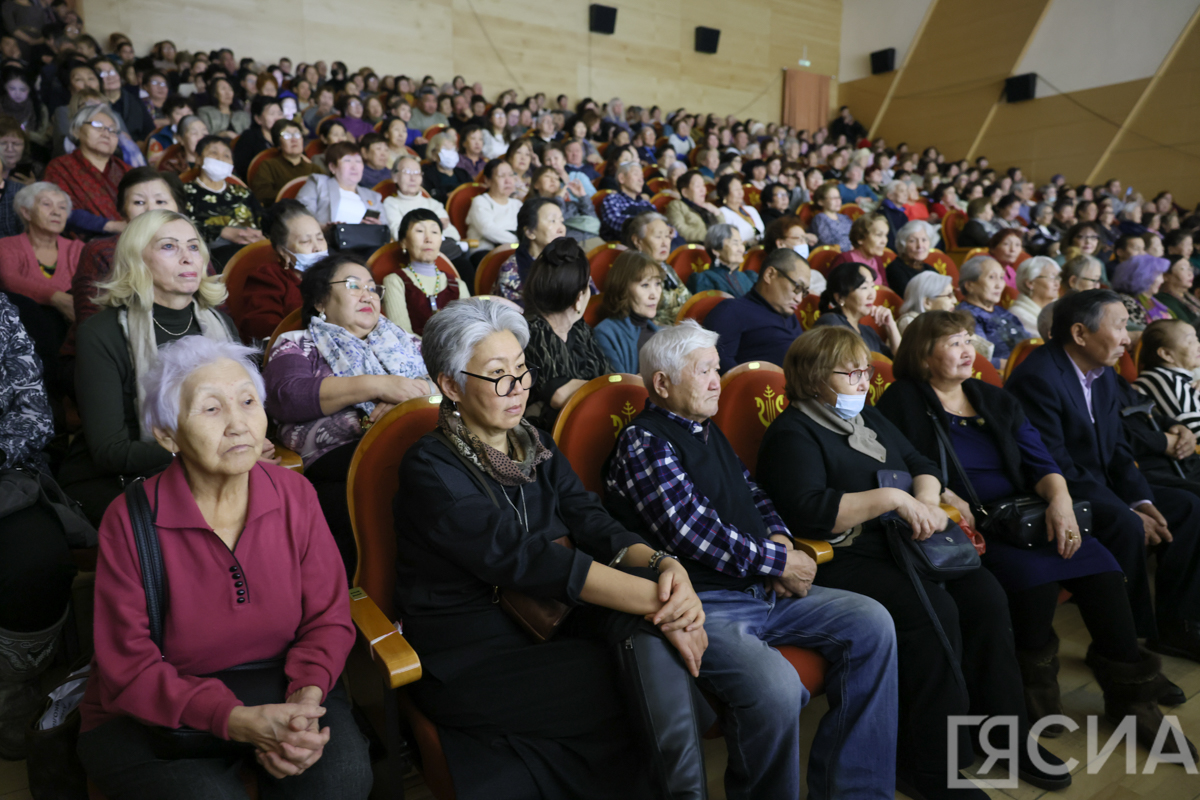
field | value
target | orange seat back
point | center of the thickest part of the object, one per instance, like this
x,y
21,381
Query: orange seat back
x,y
881,379
851,210
952,223
984,371
387,188
1019,354
258,160
976,251
290,189
371,486
239,267
598,198
806,212
821,258
489,269
314,148
943,264
291,322
687,259
660,201
657,185
593,315
1008,296
752,396
391,258
588,425
753,195
600,260
808,311
698,305
432,131
458,204
1127,368
887,298
754,259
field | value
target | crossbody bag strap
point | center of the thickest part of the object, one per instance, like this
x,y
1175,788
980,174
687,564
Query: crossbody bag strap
x,y
475,472
948,448
145,536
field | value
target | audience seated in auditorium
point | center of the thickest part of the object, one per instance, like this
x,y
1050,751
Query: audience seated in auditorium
x,y
869,235
579,215
1038,282
1169,354
913,243
156,293
981,280
492,219
1080,273
823,461
376,164
691,215
562,350
1004,458
1137,280
1176,291
40,263
848,297
420,289
1125,247
762,324
90,174
338,197
1071,397
625,203
226,213
189,133
981,225
442,175
166,672
676,478
734,211
272,290
265,112
1006,248
346,365
520,157
725,250
273,173
565,718
631,296
830,227
225,117
650,234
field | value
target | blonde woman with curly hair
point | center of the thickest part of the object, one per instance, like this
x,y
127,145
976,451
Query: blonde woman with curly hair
x,y
158,292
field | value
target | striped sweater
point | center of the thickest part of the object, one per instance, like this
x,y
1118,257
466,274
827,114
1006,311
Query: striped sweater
x,y
1171,389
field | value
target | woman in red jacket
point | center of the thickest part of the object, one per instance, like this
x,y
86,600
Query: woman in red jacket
x,y
252,582
273,290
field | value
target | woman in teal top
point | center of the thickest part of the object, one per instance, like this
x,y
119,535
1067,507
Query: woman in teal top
x,y
631,294
725,249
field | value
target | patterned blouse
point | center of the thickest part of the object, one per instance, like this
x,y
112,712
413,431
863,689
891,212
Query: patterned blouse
x,y
557,362
999,327
674,295
26,423
233,207
511,280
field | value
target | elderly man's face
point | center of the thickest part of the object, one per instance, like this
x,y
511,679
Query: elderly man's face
x,y
784,289
222,423
698,392
1104,347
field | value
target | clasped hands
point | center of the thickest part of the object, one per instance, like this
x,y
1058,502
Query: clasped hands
x,y
287,736
681,617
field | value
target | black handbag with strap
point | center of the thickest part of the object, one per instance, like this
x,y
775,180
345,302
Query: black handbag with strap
x,y
254,683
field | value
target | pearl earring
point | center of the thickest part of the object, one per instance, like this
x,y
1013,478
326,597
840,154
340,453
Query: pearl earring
x,y
321,316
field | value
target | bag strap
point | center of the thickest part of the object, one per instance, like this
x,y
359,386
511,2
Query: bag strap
x,y
145,535
475,472
947,448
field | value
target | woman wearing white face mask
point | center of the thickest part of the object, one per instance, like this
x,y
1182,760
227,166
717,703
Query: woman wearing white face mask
x,y
226,213
272,291
442,173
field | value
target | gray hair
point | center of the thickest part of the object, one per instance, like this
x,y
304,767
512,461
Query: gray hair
x,y
1075,266
88,113
28,196
1040,208
925,286
177,360
1032,268
971,270
628,165
182,128
667,350
909,228
453,333
714,240
899,183
639,224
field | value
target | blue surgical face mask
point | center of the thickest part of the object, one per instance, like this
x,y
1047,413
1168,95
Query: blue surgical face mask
x,y
849,406
305,260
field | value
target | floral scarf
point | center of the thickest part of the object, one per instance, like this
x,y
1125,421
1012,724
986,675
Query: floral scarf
x,y
387,350
507,472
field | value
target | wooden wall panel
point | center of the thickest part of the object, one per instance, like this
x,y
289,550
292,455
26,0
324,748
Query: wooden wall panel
x,y
530,45
865,96
1049,135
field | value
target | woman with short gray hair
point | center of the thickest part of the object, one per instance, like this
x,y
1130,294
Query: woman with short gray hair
x,y
725,248
981,281
928,291
492,512
41,262
90,174
1038,282
651,234
914,241
277,612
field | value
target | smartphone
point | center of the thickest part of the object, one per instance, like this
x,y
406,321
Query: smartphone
x,y
371,214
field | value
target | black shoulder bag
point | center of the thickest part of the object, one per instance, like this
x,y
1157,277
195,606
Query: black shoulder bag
x,y
255,683
1019,521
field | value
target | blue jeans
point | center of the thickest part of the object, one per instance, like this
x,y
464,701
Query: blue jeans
x,y
854,754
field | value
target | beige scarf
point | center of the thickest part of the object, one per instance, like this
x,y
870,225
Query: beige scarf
x,y
138,327
861,438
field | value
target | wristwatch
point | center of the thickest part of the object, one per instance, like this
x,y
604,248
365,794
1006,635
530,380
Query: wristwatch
x,y
658,556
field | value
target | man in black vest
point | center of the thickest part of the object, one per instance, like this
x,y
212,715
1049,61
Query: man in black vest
x,y
675,478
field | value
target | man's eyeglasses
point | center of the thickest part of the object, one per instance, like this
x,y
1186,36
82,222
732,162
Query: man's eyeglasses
x,y
289,135
855,376
410,172
798,288
100,126
354,287
505,385
1082,279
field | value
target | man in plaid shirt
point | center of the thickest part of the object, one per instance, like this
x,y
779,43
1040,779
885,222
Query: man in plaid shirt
x,y
675,478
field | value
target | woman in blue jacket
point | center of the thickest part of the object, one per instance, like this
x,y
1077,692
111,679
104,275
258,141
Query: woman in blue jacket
x,y
631,294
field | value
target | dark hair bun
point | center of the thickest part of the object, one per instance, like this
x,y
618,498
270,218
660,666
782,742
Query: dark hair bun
x,y
563,250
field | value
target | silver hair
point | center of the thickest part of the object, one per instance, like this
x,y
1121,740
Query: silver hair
x,y
667,350
29,195
909,228
182,128
893,185
638,225
714,240
1032,268
628,165
971,270
453,333
925,286
88,113
1075,266
163,382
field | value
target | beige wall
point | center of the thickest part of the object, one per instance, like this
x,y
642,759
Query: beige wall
x,y
543,45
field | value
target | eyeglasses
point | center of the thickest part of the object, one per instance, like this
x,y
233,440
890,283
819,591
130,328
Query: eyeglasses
x,y
505,385
1081,279
354,287
108,73
410,172
289,135
856,375
948,295
100,126
797,287
158,83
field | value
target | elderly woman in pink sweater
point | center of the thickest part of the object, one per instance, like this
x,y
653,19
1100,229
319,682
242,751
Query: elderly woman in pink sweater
x,y
40,262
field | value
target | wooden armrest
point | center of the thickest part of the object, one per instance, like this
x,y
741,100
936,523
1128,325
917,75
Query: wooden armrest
x,y
816,549
952,513
472,243
289,458
397,661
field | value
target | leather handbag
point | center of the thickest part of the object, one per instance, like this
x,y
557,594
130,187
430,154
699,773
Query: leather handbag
x,y
23,487
1019,521
540,617
254,683
360,237
946,555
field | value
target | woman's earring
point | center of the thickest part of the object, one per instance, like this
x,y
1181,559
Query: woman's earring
x,y
454,405
321,316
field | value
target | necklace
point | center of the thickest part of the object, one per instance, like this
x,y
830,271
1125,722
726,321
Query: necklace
x,y
524,520
170,332
419,281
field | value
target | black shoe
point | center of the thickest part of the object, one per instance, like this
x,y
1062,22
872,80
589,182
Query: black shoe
x,y
922,786
1167,693
1035,776
1180,639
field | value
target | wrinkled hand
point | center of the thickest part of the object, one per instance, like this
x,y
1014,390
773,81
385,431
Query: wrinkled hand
x,y
282,733
681,609
379,410
1062,526
241,235
797,577
691,646
395,389
1156,528
1185,442
924,519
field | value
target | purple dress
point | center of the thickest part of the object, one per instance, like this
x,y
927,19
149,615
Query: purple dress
x,y
1016,568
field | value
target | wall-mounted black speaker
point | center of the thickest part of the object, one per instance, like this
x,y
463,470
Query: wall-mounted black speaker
x,y
706,39
1020,87
602,19
883,61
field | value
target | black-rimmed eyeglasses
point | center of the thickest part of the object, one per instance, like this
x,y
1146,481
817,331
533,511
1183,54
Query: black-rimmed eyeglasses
x,y
505,385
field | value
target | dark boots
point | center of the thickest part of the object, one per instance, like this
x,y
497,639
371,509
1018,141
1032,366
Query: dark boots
x,y
1132,690
1039,673
23,657
668,711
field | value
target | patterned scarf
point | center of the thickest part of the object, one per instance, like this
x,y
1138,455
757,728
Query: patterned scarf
x,y
860,438
523,439
387,350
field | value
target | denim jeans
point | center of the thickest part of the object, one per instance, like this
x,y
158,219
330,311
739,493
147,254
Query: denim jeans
x,y
854,753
